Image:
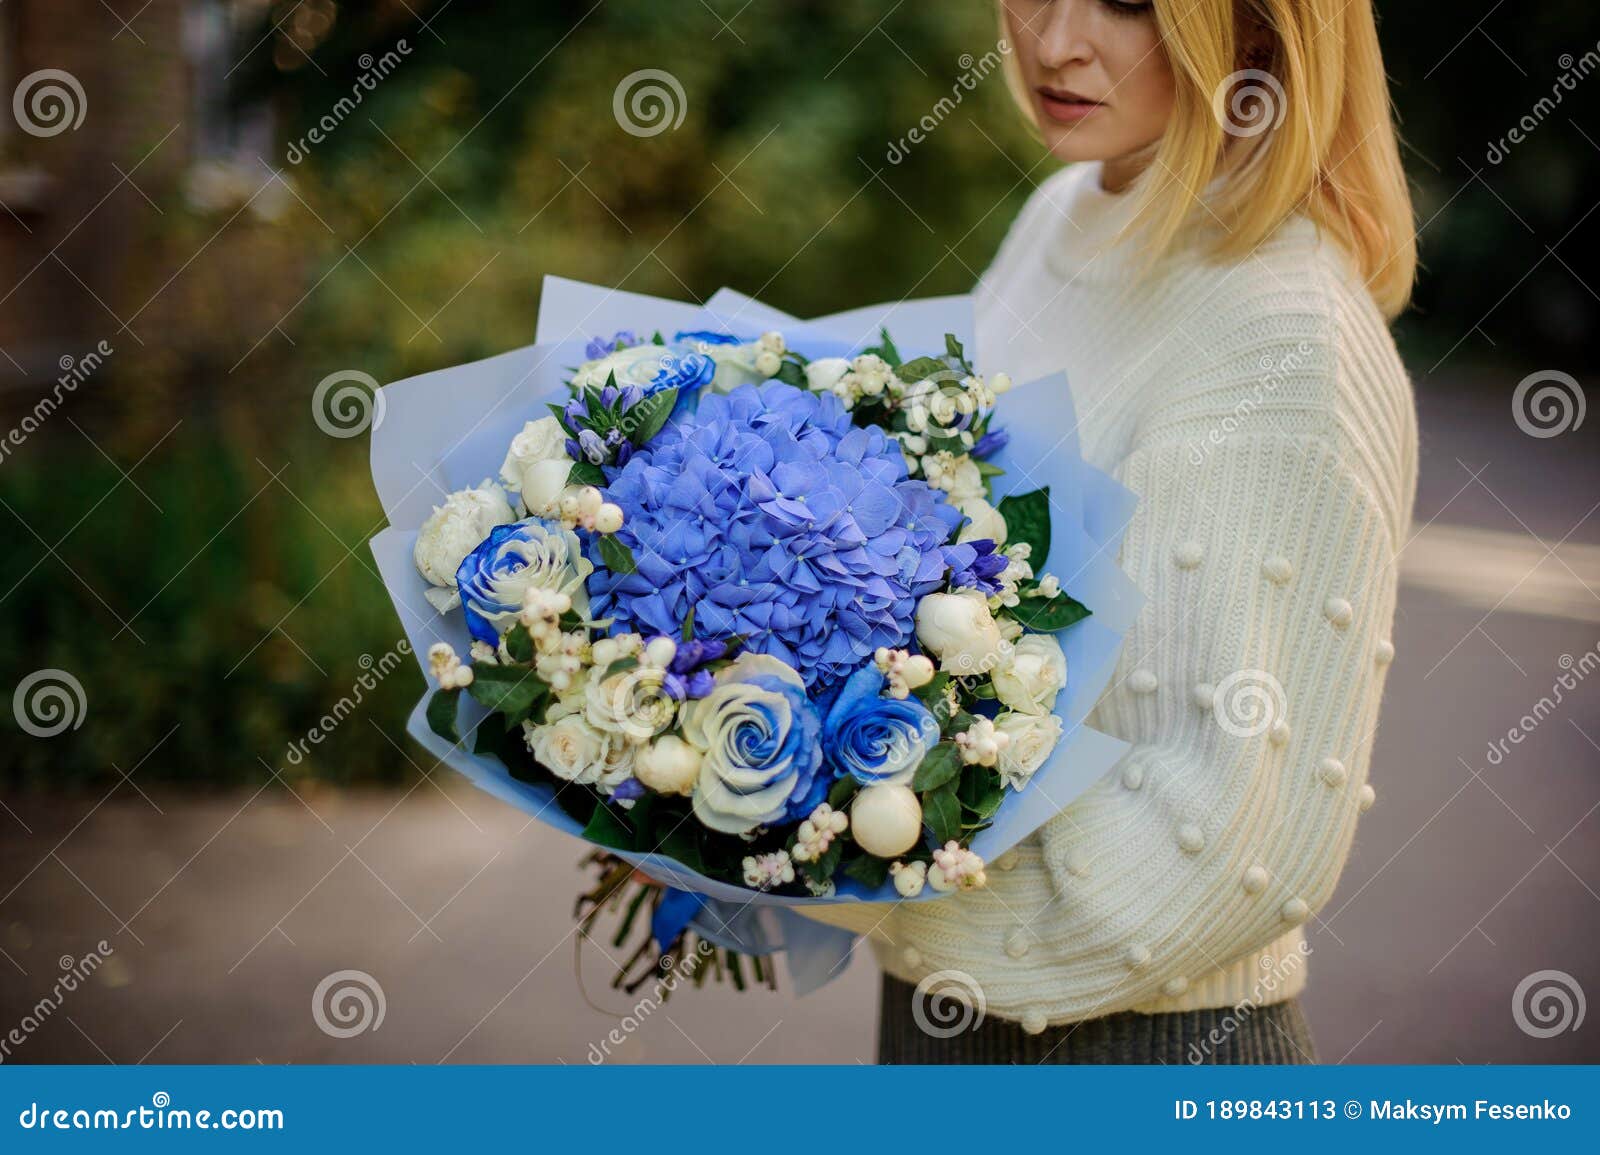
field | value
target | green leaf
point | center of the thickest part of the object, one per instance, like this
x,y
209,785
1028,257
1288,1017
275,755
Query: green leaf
x,y
885,347
918,368
519,643
939,766
560,412
442,714
842,791
822,869
657,339
790,373
681,842
872,871
941,813
487,740
953,348
606,829
586,473
617,557
620,666
1028,520
932,693
981,790
508,690
646,419
1046,615
988,469
688,625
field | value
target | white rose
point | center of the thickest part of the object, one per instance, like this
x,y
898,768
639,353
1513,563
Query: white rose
x,y
1032,736
960,631
1034,674
569,748
668,765
632,703
537,465
824,373
986,522
452,531
736,365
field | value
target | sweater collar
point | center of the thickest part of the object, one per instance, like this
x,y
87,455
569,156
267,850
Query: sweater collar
x,y
1089,241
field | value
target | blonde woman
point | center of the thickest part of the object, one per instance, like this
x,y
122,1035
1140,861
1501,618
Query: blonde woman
x,y
1215,270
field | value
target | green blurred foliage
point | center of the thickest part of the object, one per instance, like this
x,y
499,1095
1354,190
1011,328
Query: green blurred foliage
x,y
216,603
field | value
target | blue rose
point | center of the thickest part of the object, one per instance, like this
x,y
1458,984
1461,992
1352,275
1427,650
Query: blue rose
x,y
495,577
758,737
876,740
706,337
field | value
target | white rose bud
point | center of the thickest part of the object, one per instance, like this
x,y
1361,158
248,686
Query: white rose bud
x,y
1034,675
824,373
537,465
1032,738
767,363
669,765
986,522
452,531
960,631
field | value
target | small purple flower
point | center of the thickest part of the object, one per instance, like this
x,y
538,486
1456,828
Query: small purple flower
x,y
600,346
574,450
991,443
608,396
631,396
976,565
628,790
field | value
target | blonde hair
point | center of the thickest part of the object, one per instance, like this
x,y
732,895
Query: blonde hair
x,y
1286,101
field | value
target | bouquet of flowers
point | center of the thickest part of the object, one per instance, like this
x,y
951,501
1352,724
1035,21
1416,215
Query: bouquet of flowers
x,y
744,608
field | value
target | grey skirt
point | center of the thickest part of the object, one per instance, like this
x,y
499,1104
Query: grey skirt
x,y
1271,1034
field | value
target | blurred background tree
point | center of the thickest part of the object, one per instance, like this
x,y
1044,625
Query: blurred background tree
x,y
191,546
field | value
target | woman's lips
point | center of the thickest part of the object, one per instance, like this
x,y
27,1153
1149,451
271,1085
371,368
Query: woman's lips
x,y
1065,106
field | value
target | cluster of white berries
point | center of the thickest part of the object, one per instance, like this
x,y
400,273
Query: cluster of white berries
x,y
769,353
980,743
608,650
817,833
764,871
909,877
447,668
558,657
956,869
584,507
903,671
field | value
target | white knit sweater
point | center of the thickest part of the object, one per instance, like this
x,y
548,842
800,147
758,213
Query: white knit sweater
x,y
1262,415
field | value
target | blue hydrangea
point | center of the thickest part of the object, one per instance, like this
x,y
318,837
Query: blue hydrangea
x,y
772,517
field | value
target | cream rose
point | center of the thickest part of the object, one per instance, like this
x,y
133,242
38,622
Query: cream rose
x,y
1032,736
985,522
1033,674
537,465
569,748
960,631
668,765
452,531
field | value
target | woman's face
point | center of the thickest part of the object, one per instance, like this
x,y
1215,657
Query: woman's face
x,y
1100,84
